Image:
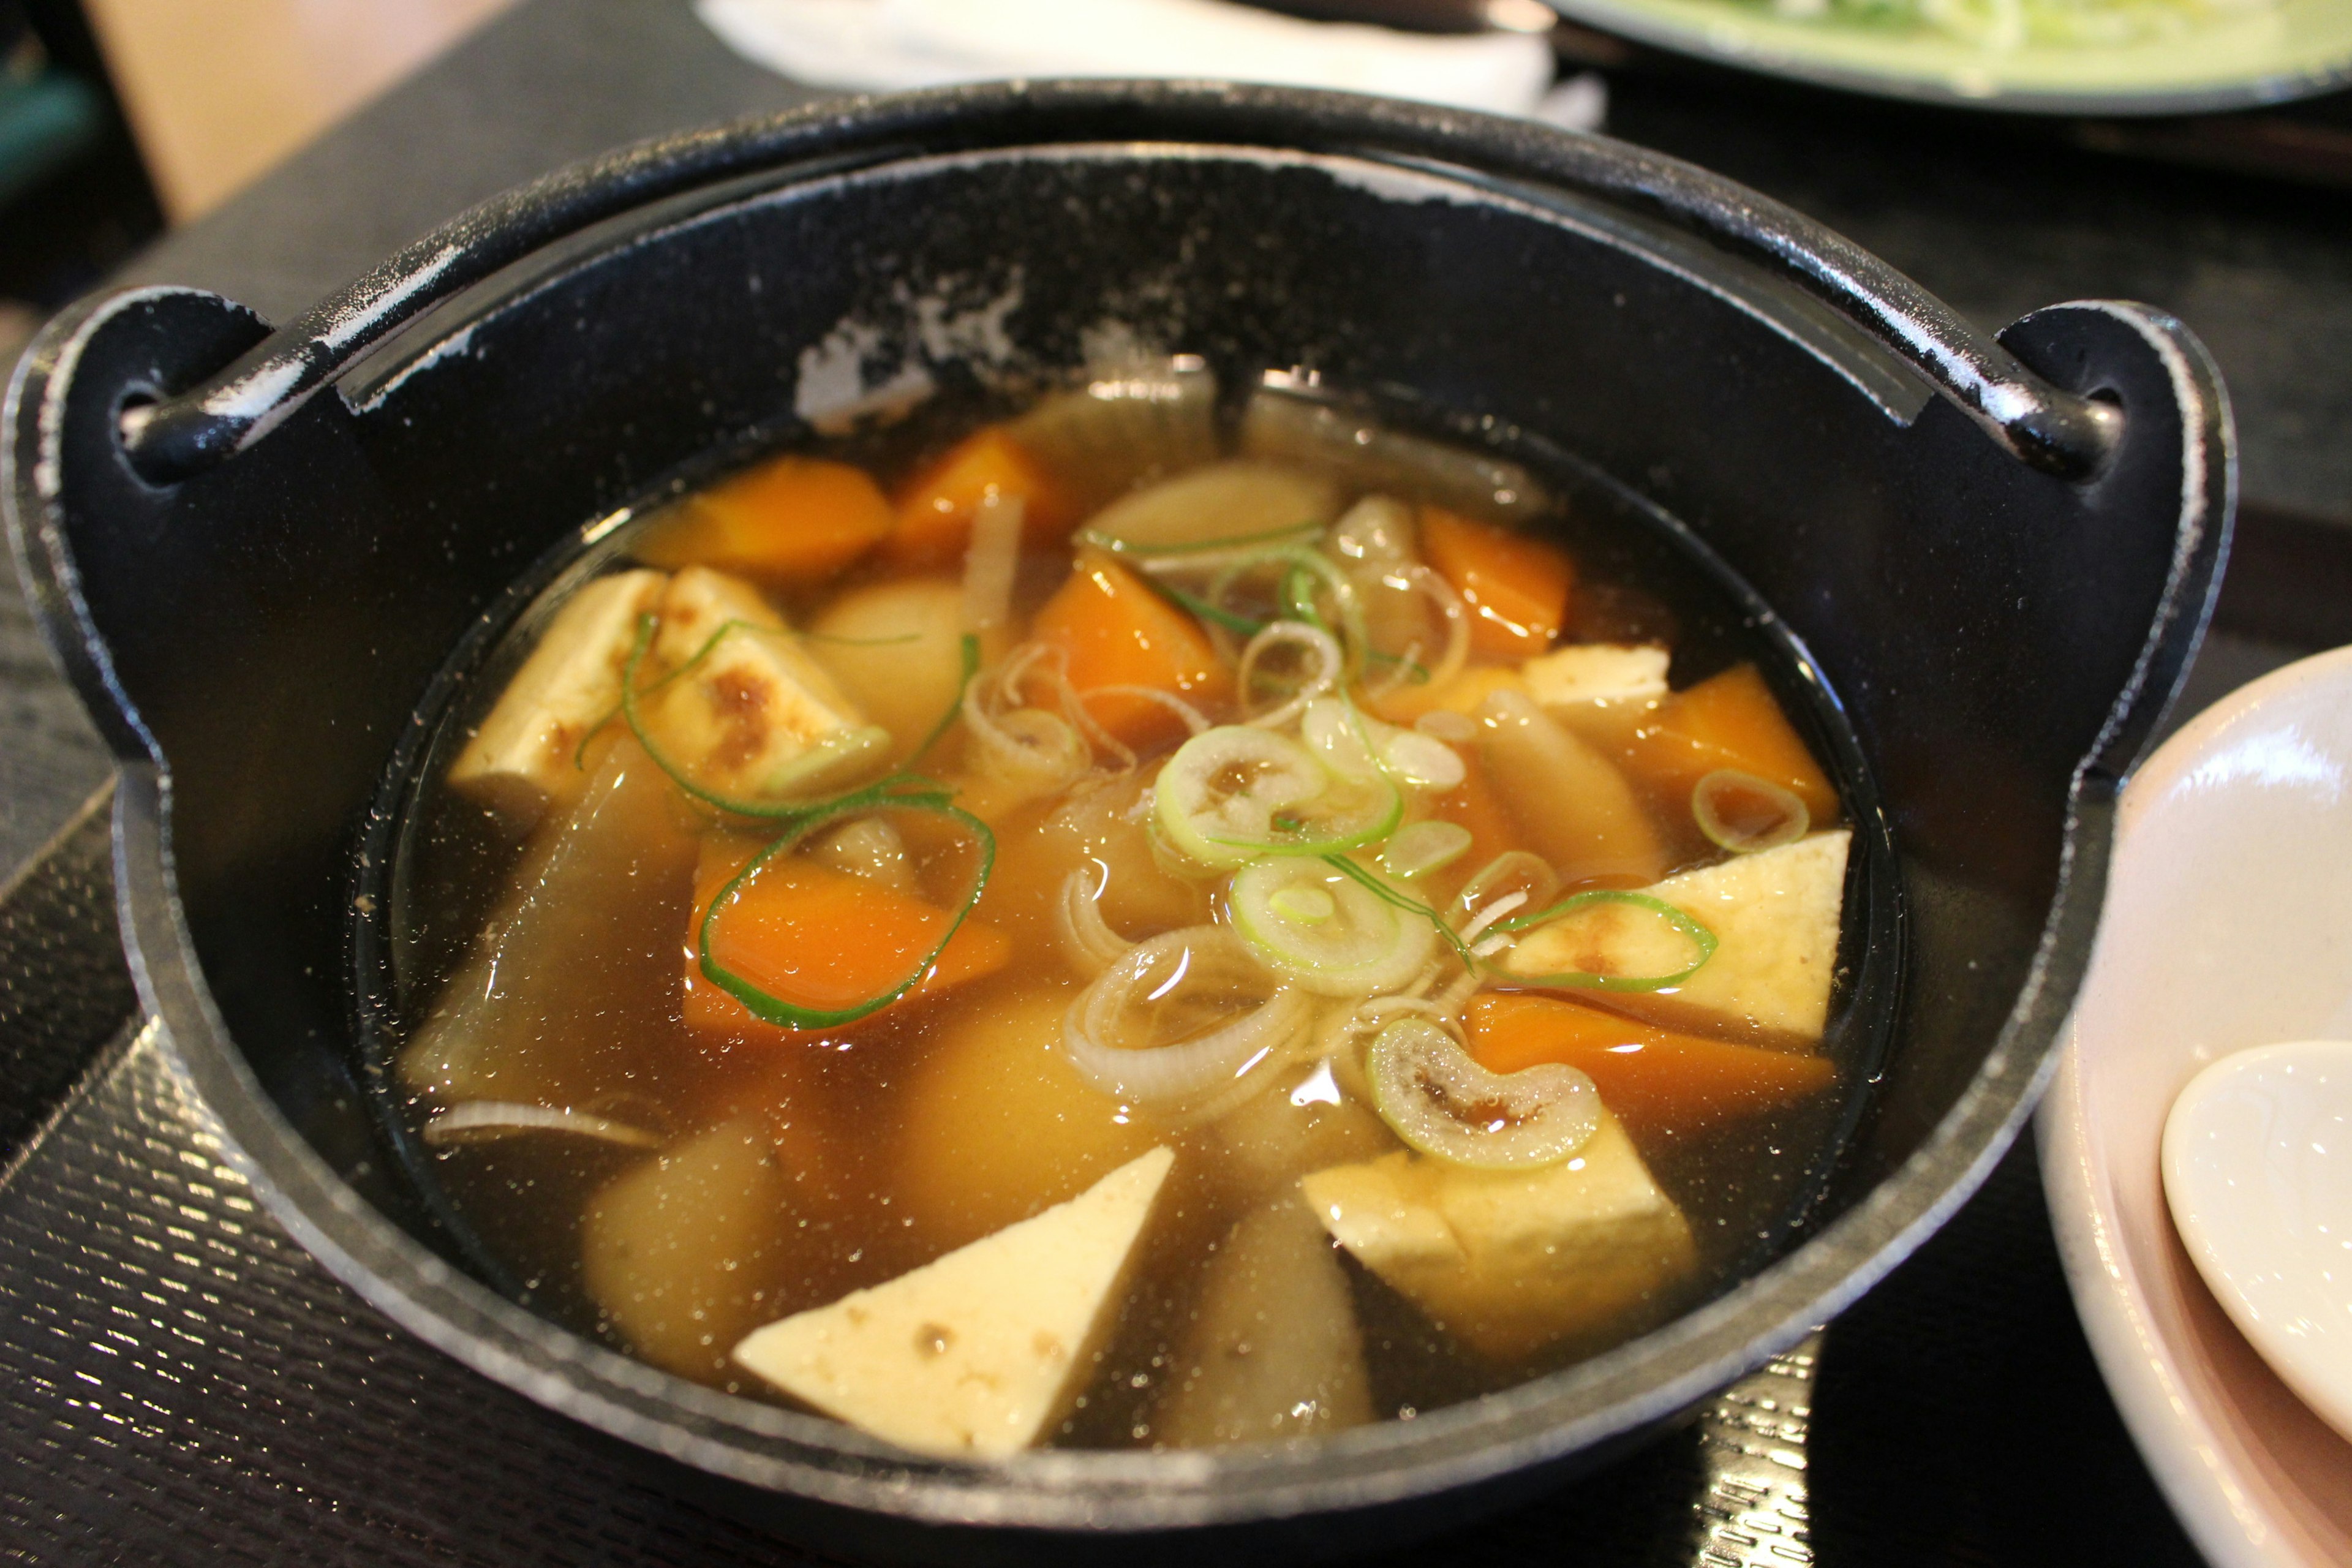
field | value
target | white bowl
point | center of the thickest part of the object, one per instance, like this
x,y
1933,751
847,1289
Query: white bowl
x,y
2258,1175
2228,925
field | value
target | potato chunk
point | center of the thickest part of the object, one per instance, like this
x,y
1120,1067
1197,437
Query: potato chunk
x,y
521,762
688,1251
1274,1350
896,649
1776,917
978,1354
999,1125
1237,499
753,715
1511,1261
1263,1146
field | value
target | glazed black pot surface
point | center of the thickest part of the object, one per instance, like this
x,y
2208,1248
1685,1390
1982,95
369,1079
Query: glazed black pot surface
x,y
1998,571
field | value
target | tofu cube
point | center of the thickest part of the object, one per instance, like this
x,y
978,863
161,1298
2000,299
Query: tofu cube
x,y
980,1353
1509,1262
1624,673
752,715
1775,916
522,760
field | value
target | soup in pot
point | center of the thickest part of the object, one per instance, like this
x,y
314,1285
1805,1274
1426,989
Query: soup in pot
x,y
1150,921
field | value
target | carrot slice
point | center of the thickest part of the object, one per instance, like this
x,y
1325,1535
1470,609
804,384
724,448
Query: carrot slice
x,y
1517,586
1729,721
1654,1080
789,522
1116,632
819,939
935,510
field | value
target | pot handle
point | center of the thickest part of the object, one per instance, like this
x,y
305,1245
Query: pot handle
x,y
2044,426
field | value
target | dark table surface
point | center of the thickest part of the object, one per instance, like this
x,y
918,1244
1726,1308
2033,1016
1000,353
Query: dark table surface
x,y
1953,1416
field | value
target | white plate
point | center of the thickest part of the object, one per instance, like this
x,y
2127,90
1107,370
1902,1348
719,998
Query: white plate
x,y
2228,925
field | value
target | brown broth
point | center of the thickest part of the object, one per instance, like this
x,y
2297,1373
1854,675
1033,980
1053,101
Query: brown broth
x,y
813,1162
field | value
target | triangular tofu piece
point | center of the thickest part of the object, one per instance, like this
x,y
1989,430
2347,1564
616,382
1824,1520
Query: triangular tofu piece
x,y
1511,1261
750,713
976,1355
1776,917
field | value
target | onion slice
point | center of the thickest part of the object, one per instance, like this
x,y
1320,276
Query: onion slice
x,y
1234,794
1326,932
1420,848
1087,941
1180,1018
1744,814
1325,666
1439,1100
484,1121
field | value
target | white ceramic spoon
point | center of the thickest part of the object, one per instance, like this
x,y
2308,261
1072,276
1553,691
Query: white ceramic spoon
x,y
2258,1175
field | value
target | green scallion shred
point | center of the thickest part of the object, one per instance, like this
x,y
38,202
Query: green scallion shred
x,y
1701,938
861,642
580,753
883,795
970,659
1239,625
1348,868
767,811
1113,543
1245,627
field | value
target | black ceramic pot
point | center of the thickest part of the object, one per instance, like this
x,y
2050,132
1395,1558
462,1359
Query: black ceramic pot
x,y
1998,556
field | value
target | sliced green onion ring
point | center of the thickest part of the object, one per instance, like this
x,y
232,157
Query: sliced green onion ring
x,y
1702,941
1323,931
1178,1019
1724,804
1420,848
1442,1102
1340,737
1326,666
888,794
1355,745
1234,794
1296,593
1421,762
1406,902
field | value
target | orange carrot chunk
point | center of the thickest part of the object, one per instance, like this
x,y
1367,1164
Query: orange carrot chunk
x,y
1517,586
1729,721
935,510
820,939
1116,632
1654,1080
789,522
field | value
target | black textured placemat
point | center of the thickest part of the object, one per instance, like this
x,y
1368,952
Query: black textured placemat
x,y
179,1383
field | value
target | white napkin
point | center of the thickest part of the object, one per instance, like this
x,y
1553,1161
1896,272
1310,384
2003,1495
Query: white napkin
x,y
890,45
